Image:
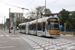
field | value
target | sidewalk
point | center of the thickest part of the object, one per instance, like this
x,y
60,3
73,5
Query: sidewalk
x,y
7,31
66,35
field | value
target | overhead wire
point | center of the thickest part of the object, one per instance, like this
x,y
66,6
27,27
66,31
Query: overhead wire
x,y
52,2
30,3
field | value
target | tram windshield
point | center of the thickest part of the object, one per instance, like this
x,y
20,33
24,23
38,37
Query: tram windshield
x,y
53,25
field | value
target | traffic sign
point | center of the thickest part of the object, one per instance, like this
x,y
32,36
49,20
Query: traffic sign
x,y
60,26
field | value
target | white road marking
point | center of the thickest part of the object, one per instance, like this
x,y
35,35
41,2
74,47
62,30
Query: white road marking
x,y
7,47
7,35
1,35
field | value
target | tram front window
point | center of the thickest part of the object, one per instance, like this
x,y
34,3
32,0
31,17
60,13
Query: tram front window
x,y
54,26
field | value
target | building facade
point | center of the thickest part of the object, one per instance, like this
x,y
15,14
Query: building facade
x,y
14,16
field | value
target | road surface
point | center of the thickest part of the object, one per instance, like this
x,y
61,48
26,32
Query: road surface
x,y
22,41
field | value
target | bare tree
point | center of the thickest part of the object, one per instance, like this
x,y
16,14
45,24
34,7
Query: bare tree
x,y
31,15
48,12
40,10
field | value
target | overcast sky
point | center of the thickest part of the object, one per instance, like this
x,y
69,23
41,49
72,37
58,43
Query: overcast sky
x,y
54,5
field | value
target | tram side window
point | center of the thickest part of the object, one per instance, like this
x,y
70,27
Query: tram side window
x,y
30,27
43,26
34,27
22,27
49,25
19,27
39,26
25,27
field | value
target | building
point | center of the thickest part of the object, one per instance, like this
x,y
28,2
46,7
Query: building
x,y
7,23
14,16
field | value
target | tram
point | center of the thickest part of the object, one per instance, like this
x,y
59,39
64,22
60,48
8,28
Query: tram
x,y
47,26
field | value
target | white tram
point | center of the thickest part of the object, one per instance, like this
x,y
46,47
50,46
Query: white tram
x,y
47,26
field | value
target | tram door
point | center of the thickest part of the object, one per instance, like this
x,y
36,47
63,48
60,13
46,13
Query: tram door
x,y
43,28
27,29
39,29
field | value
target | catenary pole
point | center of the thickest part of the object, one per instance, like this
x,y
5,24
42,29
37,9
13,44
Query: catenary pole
x,y
4,23
45,15
45,8
9,20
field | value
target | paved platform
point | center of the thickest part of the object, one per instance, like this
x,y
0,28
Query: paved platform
x,y
43,43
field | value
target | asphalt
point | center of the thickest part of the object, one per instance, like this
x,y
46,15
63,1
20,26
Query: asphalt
x,y
10,41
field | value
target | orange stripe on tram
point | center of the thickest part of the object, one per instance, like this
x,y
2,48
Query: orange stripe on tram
x,y
54,31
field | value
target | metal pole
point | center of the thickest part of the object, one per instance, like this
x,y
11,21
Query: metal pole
x,y
4,23
14,24
45,8
64,28
9,20
36,24
45,16
14,29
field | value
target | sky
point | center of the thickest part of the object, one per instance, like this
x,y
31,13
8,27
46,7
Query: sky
x,y
54,5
